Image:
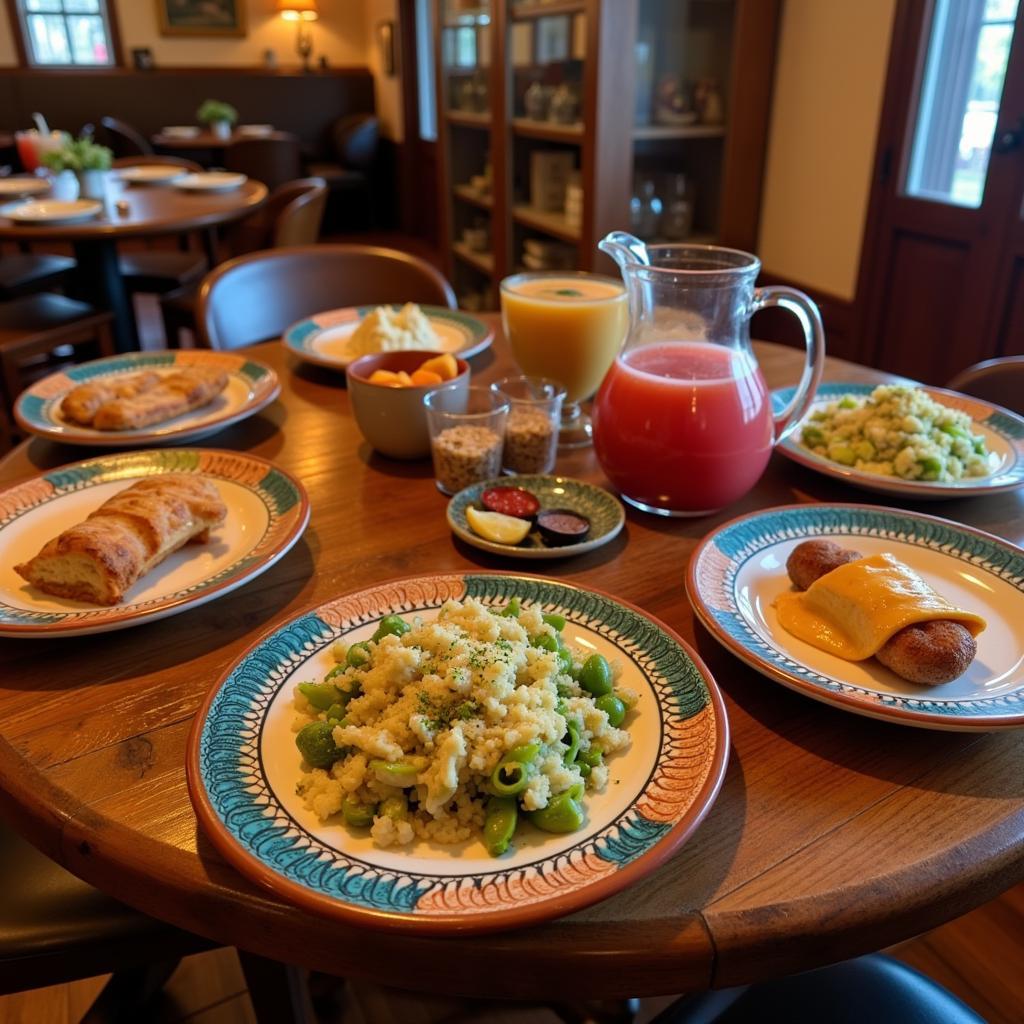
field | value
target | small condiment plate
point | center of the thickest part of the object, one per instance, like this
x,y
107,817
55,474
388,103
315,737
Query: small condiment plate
x,y
1002,429
604,510
323,339
739,569
23,185
52,211
267,512
251,387
151,174
242,769
210,181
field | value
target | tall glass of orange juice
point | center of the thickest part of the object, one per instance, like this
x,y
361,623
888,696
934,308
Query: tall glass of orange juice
x,y
569,327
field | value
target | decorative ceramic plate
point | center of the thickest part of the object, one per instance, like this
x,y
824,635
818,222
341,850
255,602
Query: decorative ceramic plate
x,y
151,174
243,767
604,511
23,185
52,211
739,570
1003,432
210,181
324,339
251,387
267,512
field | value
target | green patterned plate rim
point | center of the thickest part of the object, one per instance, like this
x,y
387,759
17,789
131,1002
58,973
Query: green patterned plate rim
x,y
282,513
603,509
738,569
252,386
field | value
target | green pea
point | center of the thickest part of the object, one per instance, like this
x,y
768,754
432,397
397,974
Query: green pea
x,y
394,807
555,621
574,743
584,769
358,654
500,822
397,773
562,814
978,443
931,467
320,695
336,714
546,642
511,610
316,744
596,675
591,758
564,656
812,437
613,707
842,453
848,402
355,814
391,625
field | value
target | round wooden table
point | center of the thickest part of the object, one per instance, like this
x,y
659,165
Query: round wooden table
x,y
152,210
833,834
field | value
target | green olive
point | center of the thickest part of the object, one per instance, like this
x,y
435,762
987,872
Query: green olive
x,y
391,625
316,744
596,675
358,654
613,707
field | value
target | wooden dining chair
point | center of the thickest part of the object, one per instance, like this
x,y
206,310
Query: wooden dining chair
x,y
22,273
123,138
272,161
290,216
256,297
994,380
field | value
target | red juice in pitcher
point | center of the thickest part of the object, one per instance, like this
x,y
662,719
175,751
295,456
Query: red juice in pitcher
x,y
683,427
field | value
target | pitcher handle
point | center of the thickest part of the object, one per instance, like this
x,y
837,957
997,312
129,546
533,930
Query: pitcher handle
x,y
805,310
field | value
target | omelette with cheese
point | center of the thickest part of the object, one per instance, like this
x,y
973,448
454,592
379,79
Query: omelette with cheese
x,y
855,609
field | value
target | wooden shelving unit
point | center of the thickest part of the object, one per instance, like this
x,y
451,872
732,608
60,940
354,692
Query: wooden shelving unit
x,y
522,11
648,132
548,130
483,261
468,119
468,195
554,224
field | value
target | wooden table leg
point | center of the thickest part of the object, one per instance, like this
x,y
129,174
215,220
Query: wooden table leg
x,y
279,992
98,281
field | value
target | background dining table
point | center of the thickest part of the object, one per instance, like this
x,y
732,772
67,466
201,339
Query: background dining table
x,y
151,211
206,142
832,835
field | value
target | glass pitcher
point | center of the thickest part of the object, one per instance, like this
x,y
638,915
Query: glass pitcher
x,y
683,422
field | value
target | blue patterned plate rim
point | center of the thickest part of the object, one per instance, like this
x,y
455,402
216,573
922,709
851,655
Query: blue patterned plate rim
x,y
595,497
1008,425
721,555
243,817
301,337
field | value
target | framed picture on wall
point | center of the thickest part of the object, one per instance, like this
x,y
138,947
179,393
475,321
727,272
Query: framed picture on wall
x,y
201,17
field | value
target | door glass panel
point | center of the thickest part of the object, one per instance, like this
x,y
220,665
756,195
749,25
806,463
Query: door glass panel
x,y
968,49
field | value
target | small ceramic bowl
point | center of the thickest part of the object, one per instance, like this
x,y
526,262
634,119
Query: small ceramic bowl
x,y
394,420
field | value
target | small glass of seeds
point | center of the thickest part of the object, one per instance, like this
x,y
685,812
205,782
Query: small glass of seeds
x,y
467,432
531,433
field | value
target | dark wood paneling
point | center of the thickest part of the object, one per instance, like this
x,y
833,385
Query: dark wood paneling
x,y
836,314
1011,333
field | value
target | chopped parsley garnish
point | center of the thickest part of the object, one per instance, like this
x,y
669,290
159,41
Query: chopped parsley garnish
x,y
440,716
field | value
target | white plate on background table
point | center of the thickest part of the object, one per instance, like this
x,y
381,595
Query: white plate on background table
x,y
151,174
18,185
267,513
256,131
739,570
1002,429
52,211
210,181
323,339
181,131
242,767
251,387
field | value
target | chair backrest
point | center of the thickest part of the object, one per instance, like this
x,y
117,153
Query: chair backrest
x,y
272,161
259,295
124,139
162,161
995,380
355,138
296,211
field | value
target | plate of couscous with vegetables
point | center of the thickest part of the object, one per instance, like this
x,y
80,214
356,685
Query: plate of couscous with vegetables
x,y
908,439
458,752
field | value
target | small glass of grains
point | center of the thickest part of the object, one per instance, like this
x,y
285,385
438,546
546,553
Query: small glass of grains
x,y
467,431
531,433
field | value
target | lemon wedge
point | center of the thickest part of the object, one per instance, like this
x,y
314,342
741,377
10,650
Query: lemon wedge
x,y
496,526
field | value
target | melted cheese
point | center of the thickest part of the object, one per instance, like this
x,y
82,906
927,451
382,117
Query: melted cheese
x,y
854,610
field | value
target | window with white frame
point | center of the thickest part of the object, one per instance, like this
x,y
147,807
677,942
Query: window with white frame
x,y
66,33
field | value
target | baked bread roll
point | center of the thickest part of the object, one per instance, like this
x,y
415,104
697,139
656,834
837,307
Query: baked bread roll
x,y
130,533
175,394
82,403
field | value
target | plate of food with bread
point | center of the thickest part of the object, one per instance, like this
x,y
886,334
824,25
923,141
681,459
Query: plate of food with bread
x,y
146,398
886,613
124,539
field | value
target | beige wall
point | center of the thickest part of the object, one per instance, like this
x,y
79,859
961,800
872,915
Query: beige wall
x,y
388,90
830,76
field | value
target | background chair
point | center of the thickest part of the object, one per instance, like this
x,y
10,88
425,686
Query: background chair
x,y
995,380
123,139
354,141
22,273
272,161
256,297
291,216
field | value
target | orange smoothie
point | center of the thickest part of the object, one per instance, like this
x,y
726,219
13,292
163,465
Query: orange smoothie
x,y
568,327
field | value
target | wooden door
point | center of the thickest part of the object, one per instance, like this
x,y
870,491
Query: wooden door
x,y
942,285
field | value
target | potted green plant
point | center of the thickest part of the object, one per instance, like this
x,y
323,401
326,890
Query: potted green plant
x,y
219,117
82,168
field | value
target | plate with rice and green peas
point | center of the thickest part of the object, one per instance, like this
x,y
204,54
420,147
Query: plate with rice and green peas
x,y
458,752
908,439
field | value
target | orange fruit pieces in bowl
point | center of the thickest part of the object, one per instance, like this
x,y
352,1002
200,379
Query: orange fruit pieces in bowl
x,y
434,371
444,365
390,379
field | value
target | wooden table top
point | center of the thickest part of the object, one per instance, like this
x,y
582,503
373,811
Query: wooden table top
x,y
207,140
832,835
152,210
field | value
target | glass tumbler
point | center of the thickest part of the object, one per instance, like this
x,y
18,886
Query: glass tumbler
x,y
467,433
531,433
